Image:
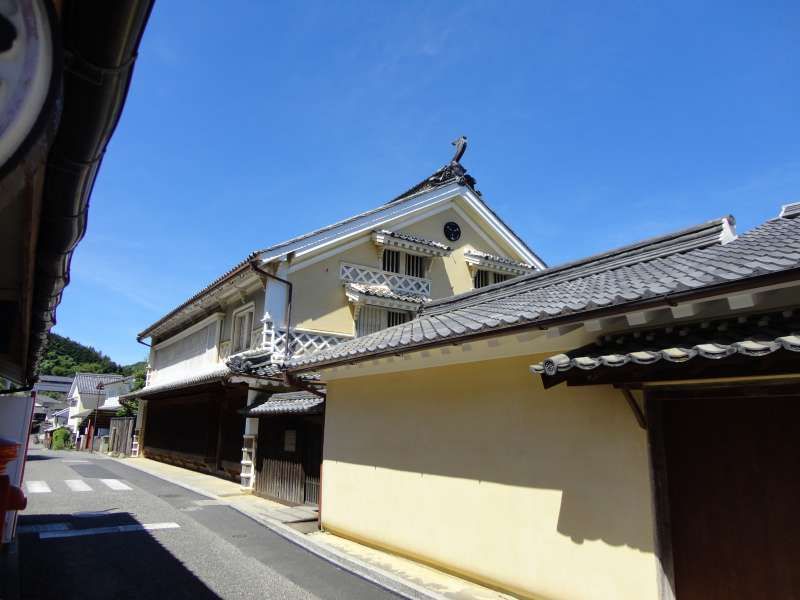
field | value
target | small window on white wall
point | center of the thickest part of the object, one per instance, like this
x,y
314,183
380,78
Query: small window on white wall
x,y
242,327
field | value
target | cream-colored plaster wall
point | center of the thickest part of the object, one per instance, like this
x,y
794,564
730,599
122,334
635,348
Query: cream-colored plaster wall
x,y
478,470
319,302
318,299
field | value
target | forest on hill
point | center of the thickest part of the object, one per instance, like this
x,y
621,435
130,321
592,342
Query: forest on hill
x,y
66,357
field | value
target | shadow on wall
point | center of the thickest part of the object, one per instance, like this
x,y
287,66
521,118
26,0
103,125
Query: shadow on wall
x,y
124,565
493,422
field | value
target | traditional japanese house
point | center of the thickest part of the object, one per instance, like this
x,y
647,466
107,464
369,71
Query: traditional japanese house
x,y
214,367
624,426
93,399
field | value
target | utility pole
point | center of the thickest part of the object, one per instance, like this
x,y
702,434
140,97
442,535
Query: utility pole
x,y
93,426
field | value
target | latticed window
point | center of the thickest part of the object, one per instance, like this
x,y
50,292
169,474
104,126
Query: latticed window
x,y
242,325
370,320
415,265
391,261
481,279
498,277
395,318
375,318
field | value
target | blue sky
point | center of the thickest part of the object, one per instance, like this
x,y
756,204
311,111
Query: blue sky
x,y
590,127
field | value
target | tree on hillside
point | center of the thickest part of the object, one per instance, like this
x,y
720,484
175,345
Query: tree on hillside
x,y
138,371
66,357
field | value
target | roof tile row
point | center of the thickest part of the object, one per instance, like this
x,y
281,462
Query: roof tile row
x,y
688,260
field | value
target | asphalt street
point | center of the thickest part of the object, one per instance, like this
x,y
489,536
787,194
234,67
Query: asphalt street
x,y
95,528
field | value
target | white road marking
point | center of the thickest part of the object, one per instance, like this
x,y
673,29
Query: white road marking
x,y
48,535
37,487
78,485
115,484
43,527
66,460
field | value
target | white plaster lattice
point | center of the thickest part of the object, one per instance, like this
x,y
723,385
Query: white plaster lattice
x,y
396,282
303,342
306,342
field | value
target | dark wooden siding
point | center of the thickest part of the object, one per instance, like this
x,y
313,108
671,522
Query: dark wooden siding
x,y
288,475
200,430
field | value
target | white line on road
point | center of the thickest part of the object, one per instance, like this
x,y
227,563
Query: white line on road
x,y
115,484
43,527
78,485
66,460
37,487
48,535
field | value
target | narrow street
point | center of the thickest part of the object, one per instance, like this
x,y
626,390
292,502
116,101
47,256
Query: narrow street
x,y
95,528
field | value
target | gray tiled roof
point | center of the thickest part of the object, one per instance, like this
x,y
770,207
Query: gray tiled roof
x,y
753,335
217,374
287,403
86,383
384,291
413,238
684,261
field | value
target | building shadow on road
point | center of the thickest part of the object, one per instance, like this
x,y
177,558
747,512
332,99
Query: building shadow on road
x,y
119,565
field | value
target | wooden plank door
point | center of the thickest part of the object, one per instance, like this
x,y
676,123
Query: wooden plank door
x,y
733,477
279,472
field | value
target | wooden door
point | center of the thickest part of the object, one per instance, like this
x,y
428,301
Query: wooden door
x,y
733,477
279,473
288,462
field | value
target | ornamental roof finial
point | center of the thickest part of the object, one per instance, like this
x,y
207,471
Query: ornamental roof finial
x,y
461,147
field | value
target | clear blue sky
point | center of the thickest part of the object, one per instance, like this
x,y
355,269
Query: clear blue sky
x,y
590,126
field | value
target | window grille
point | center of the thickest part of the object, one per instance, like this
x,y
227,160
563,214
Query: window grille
x,y
395,318
415,265
391,261
481,279
500,277
370,320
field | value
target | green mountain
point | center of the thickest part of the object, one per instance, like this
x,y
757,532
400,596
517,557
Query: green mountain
x,y
66,357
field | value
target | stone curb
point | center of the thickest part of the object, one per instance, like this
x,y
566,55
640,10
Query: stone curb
x,y
375,575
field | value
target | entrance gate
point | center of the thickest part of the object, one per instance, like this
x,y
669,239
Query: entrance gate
x,y
288,459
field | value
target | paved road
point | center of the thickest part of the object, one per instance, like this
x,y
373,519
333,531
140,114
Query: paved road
x,y
95,528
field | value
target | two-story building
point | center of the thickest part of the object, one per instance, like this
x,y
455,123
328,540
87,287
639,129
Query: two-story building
x,y
623,426
360,275
87,399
